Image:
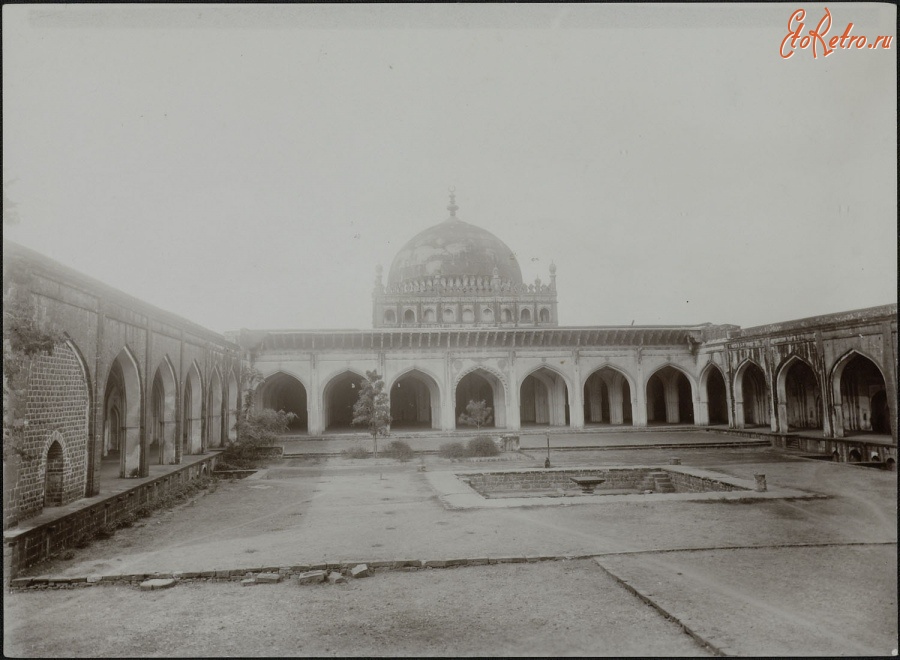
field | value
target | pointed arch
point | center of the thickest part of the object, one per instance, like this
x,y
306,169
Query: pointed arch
x,y
671,393
232,405
480,382
799,395
163,403
751,395
283,390
607,395
544,397
124,405
713,395
90,448
214,410
338,397
192,426
419,403
857,382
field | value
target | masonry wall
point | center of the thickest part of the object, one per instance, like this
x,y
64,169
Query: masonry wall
x,y
32,545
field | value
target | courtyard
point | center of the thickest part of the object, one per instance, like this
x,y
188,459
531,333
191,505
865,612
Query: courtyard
x,y
783,576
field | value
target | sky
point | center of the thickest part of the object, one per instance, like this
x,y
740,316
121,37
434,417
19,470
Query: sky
x,y
248,166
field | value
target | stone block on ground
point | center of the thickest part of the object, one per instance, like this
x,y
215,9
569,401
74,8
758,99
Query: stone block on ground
x,y
248,582
157,583
311,577
269,578
335,577
359,571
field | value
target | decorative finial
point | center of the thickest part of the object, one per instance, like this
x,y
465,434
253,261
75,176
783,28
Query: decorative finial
x,y
452,206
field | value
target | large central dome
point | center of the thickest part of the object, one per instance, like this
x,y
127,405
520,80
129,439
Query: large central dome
x,y
454,248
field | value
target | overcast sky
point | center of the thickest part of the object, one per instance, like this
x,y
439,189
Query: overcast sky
x,y
248,166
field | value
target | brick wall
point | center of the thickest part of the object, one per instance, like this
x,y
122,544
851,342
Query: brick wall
x,y
28,547
689,483
56,411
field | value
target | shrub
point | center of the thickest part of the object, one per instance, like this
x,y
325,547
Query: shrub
x,y
355,452
452,450
482,445
257,431
107,531
400,450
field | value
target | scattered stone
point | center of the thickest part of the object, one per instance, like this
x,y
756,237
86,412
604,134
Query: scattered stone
x,y
311,577
336,578
359,571
157,583
647,492
435,563
248,582
93,579
268,578
20,583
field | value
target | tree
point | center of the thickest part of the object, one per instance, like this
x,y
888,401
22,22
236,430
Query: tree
x,y
373,409
477,414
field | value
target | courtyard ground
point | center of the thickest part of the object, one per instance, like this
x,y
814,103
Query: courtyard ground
x,y
809,577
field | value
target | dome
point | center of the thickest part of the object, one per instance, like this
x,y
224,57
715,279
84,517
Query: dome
x,y
454,248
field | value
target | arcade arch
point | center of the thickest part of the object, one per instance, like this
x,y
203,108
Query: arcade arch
x,y
192,439
859,387
214,411
339,395
751,396
799,392
544,399
415,401
481,385
281,391
163,397
669,397
712,386
122,414
607,398
233,405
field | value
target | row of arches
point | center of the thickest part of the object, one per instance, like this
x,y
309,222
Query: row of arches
x,y
671,396
183,417
486,315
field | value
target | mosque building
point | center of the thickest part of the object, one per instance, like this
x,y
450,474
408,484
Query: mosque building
x,y
133,391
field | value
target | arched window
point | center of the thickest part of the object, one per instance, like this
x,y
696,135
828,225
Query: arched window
x,y
53,477
487,314
409,316
389,316
468,316
505,315
429,316
525,315
545,315
449,315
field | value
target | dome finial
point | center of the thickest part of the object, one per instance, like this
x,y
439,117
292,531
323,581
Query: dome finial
x,y
452,207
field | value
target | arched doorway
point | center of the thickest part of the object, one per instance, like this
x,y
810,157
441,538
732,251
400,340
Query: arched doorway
x,y
607,398
751,397
340,394
860,389
161,441
798,389
122,416
54,475
281,391
192,438
481,385
669,398
544,399
716,398
415,402
214,411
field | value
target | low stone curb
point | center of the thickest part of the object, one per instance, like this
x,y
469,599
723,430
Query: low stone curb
x,y
251,576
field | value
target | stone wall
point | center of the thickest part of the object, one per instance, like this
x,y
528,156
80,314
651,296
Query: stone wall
x,y
31,545
690,483
616,479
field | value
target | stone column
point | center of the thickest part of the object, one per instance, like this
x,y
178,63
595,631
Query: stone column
x,y
639,395
314,400
576,397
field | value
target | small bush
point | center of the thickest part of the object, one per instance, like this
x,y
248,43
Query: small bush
x,y
482,445
452,450
355,452
107,531
399,450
